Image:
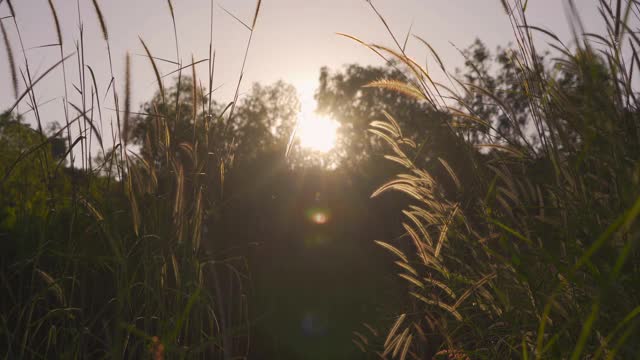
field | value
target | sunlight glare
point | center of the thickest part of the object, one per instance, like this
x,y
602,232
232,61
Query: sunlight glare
x,y
317,133
318,216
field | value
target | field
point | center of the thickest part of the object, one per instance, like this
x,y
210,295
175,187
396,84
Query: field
x,y
416,211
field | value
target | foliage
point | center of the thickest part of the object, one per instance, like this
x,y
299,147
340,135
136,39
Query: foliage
x,y
265,119
23,190
343,96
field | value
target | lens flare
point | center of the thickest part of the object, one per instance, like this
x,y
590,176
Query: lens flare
x,y
318,216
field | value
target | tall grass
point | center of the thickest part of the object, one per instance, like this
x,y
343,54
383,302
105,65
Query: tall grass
x,y
533,251
116,259
524,245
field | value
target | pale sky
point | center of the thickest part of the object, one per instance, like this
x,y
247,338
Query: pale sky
x,y
292,40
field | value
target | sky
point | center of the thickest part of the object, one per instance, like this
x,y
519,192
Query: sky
x,y
292,39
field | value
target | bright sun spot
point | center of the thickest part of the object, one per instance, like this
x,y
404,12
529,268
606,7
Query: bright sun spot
x,y
317,133
314,132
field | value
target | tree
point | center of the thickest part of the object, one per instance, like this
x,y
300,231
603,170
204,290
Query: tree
x,y
495,92
265,119
262,119
345,96
26,183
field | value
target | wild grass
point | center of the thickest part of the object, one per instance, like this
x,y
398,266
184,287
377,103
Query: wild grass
x,y
533,253
118,257
523,245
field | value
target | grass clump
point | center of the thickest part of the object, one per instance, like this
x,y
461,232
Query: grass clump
x,y
102,248
524,245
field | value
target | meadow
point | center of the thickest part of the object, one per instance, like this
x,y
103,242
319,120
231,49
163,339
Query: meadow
x,y
487,213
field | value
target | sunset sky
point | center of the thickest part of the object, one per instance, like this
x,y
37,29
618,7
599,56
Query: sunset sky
x,y
292,40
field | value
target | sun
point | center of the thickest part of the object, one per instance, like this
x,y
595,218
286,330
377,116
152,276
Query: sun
x,y
317,133
314,132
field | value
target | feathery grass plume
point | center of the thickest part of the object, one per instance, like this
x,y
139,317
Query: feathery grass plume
x,y
171,9
10,59
407,345
194,95
197,222
399,341
420,79
56,22
360,345
406,267
127,100
255,15
473,288
103,24
53,285
361,337
439,304
95,88
452,173
369,46
394,329
423,231
412,280
11,10
155,70
444,231
433,52
505,6
175,37
393,250
133,203
397,86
